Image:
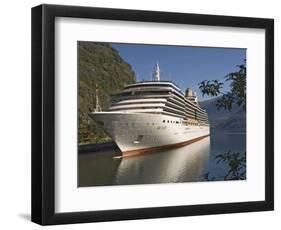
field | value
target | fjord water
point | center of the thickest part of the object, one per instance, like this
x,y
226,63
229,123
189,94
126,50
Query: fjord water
x,y
185,164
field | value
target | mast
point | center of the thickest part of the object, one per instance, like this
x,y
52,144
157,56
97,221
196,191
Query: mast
x,y
98,108
156,73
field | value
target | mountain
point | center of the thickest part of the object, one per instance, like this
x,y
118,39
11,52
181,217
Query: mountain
x,y
223,119
99,65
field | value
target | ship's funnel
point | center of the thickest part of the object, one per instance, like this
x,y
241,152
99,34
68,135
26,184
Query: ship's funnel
x,y
188,92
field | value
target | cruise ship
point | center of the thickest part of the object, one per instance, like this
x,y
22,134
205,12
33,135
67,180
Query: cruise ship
x,y
149,116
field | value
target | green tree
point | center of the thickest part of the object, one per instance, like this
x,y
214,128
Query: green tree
x,y
236,163
236,94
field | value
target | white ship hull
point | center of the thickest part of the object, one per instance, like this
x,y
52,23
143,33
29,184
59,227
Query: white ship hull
x,y
136,133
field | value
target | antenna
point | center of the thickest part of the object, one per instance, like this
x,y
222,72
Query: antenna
x,y
156,73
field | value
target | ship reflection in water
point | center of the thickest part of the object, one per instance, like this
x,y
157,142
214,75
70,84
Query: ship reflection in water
x,y
174,165
185,164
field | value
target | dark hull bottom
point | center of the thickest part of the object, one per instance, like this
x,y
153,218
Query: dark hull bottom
x,y
159,148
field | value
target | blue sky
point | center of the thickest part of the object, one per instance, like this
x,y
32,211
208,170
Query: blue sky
x,y
185,66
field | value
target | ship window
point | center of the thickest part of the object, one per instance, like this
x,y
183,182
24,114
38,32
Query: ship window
x,y
177,122
168,121
164,121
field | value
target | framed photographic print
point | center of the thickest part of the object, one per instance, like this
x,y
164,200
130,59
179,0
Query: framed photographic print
x,y
142,114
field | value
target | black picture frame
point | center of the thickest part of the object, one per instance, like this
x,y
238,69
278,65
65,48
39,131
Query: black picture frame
x,y
43,110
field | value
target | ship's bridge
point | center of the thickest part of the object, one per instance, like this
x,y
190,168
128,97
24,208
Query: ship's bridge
x,y
156,84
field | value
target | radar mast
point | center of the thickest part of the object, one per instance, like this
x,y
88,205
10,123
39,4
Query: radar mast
x,y
156,73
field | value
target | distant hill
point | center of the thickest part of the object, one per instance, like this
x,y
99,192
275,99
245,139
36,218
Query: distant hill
x,y
98,63
223,119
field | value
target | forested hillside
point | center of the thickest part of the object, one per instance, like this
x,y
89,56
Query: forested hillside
x,y
98,64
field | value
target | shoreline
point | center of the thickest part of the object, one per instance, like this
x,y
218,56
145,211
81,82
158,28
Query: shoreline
x,y
96,148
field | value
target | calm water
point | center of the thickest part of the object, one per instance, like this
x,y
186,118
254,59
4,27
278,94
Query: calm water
x,y
185,164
